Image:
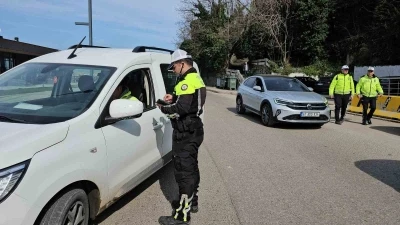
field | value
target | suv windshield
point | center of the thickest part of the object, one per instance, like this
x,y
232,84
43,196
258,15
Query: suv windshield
x,y
284,84
44,93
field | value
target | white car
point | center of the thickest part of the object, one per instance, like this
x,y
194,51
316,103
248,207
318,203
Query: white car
x,y
67,151
282,99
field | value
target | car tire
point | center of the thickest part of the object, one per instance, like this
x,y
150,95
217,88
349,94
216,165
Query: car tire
x,y
239,106
267,117
72,206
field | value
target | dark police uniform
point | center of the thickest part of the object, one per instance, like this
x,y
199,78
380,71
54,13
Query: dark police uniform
x,y
188,100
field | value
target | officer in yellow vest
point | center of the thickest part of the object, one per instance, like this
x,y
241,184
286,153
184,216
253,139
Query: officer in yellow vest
x,y
342,90
186,105
368,88
122,91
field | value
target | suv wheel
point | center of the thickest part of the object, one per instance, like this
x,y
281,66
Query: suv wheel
x,y
239,106
267,116
72,207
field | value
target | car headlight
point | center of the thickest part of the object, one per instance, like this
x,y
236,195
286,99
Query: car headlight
x,y
282,102
326,102
10,177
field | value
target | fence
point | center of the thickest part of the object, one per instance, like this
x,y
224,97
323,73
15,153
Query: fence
x,y
390,85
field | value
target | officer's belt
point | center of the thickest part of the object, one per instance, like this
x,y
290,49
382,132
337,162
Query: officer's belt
x,y
189,123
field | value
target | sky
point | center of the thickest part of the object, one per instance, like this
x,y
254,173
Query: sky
x,y
116,23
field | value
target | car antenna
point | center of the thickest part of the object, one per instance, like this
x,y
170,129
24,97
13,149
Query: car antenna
x,y
72,53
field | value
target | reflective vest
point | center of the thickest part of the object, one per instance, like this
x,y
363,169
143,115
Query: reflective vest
x,y
189,84
369,87
188,119
342,84
127,95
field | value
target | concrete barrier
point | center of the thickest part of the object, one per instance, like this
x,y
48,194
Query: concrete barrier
x,y
386,106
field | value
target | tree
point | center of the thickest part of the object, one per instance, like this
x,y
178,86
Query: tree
x,y
309,28
385,33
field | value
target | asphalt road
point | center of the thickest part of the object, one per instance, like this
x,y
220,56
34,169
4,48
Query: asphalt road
x,y
252,174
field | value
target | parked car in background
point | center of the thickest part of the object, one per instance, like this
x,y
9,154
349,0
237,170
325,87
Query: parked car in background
x,y
308,81
281,99
322,85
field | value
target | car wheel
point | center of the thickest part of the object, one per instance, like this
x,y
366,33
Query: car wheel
x,y
72,207
239,106
267,117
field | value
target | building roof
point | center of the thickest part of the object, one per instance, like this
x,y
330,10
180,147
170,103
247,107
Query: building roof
x,y
13,46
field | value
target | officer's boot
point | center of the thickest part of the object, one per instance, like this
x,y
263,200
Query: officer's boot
x,y
181,215
195,203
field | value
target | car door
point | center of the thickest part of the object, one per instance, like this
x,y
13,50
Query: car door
x,y
247,91
134,146
257,95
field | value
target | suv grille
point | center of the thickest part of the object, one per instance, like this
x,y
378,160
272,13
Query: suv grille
x,y
307,106
297,117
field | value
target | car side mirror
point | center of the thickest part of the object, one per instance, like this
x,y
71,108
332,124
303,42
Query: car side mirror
x,y
310,88
124,108
257,88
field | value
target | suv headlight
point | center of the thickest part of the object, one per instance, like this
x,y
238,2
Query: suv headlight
x,y
10,177
282,102
326,102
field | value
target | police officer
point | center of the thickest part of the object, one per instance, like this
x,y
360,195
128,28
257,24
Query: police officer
x,y
342,90
368,88
186,105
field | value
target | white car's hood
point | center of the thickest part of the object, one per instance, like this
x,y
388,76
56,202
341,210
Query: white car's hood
x,y
19,142
308,97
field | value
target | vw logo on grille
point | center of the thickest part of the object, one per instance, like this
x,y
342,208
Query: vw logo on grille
x,y
309,106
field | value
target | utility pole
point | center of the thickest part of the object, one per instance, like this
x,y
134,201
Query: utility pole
x,y
89,24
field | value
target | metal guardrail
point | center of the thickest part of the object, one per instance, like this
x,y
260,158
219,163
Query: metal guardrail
x,y
390,85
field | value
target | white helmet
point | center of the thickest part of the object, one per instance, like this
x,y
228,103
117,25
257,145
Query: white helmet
x,y
178,55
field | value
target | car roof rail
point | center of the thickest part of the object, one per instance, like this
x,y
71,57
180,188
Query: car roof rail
x,y
86,46
143,49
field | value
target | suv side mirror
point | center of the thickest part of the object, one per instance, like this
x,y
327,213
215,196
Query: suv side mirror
x,y
310,88
257,88
124,108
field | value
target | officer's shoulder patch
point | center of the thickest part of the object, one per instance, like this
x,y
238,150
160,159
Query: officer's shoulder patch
x,y
184,87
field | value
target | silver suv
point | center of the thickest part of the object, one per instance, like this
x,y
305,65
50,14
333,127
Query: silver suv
x,y
281,99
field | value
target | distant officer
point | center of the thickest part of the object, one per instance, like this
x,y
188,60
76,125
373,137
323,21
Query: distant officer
x,y
186,106
368,88
342,90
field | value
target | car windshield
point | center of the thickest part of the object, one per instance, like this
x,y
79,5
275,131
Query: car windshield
x,y
43,93
284,84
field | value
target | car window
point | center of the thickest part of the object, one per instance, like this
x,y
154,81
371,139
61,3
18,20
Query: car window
x,y
258,82
250,82
169,78
140,85
284,84
48,93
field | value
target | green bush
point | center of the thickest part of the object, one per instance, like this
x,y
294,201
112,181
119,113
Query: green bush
x,y
319,68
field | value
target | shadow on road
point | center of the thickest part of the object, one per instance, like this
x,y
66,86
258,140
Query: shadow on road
x,y
167,184
386,171
390,130
257,119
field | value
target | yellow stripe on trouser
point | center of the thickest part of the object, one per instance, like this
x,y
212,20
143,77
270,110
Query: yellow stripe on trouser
x,y
186,209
